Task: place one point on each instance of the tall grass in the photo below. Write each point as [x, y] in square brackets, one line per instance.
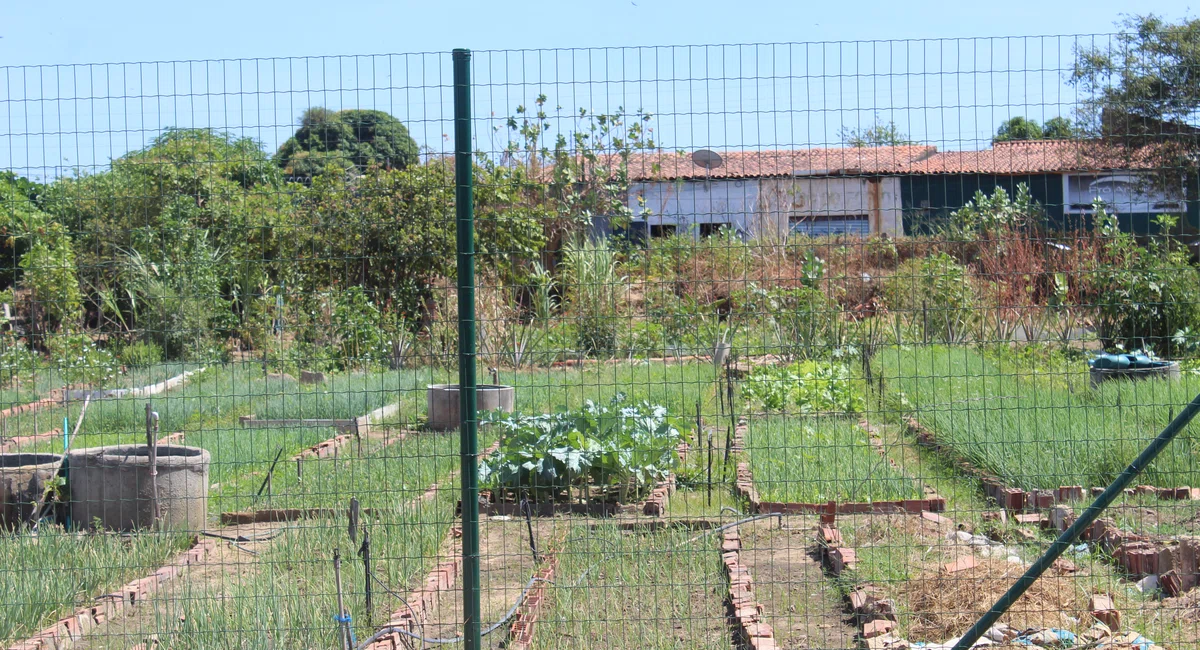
[676, 386]
[383, 477]
[43, 578]
[619, 590]
[286, 598]
[812, 460]
[1032, 435]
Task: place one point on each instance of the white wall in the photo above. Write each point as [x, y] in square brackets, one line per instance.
[761, 207]
[688, 203]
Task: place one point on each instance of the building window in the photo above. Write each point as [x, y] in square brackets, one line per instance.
[1121, 193]
[856, 224]
[662, 230]
[710, 229]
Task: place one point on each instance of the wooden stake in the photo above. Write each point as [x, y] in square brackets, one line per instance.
[353, 519]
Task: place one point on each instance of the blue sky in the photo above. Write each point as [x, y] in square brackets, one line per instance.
[841, 64]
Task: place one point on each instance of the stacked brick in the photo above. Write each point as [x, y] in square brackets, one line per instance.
[520, 635]
[423, 603]
[325, 448]
[66, 631]
[747, 612]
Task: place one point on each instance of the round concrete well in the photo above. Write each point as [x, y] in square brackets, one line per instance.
[23, 480]
[111, 486]
[442, 403]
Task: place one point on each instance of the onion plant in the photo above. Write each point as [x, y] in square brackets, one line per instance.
[813, 460]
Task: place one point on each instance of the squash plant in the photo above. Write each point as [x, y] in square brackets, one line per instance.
[595, 452]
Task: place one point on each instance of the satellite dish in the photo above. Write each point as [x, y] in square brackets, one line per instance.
[707, 159]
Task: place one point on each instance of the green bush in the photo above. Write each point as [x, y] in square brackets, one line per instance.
[79, 360]
[935, 294]
[1145, 296]
[141, 355]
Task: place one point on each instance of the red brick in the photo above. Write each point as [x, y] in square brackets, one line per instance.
[936, 518]
[961, 564]
[877, 628]
[759, 629]
[1044, 499]
[1103, 610]
[1014, 499]
[1029, 518]
[1070, 493]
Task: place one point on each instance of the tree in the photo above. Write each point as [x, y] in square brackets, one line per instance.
[1058, 128]
[172, 237]
[876, 135]
[346, 139]
[44, 258]
[583, 176]
[1023, 128]
[1143, 86]
[1018, 128]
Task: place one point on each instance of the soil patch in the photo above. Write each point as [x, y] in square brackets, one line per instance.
[800, 604]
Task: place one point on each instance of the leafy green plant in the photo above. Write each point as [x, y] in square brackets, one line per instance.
[935, 293]
[624, 446]
[1144, 295]
[808, 386]
[140, 355]
[80, 360]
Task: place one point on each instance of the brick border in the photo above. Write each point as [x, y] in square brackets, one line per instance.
[423, 602]
[747, 612]
[15, 443]
[66, 631]
[520, 633]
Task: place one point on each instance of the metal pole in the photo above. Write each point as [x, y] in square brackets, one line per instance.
[1093, 511]
[152, 456]
[469, 427]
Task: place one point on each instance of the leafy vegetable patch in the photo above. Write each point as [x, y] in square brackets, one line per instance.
[618, 450]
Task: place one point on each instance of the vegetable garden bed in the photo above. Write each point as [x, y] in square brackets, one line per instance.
[1030, 436]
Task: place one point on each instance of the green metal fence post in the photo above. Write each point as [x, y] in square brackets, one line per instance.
[468, 427]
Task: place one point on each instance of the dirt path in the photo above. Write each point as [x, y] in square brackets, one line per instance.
[506, 565]
[799, 602]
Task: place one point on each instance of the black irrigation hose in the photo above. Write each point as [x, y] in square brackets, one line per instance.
[247, 538]
[491, 628]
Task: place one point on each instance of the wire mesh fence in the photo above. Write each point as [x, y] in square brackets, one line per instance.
[802, 345]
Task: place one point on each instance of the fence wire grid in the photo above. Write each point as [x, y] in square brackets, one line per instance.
[797, 345]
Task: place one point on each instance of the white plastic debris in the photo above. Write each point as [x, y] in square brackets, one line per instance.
[1149, 583]
[1013, 559]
